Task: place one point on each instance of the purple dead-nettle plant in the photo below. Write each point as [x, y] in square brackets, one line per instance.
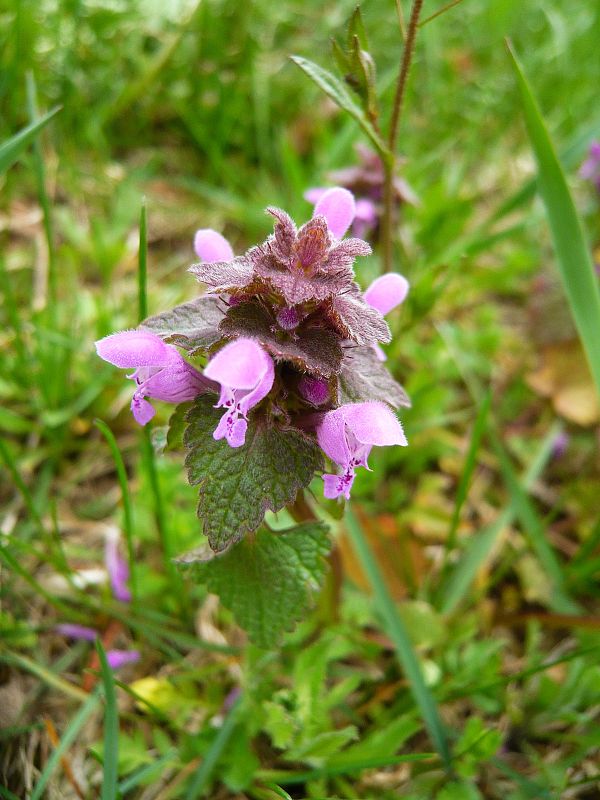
[277, 371]
[287, 367]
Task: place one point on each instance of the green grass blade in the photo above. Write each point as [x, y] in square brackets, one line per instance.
[470, 463]
[329, 771]
[40, 175]
[396, 630]
[7, 794]
[69, 736]
[11, 149]
[127, 509]
[533, 530]
[111, 729]
[573, 255]
[144, 773]
[204, 771]
[148, 455]
[479, 548]
[11, 465]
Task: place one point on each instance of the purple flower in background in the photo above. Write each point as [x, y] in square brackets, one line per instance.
[115, 658]
[160, 371]
[80, 632]
[366, 181]
[347, 435]
[366, 217]
[590, 169]
[384, 294]
[246, 373]
[119, 658]
[211, 246]
[117, 567]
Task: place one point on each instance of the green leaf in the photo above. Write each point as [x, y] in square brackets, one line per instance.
[267, 579]
[237, 485]
[336, 90]
[193, 325]
[573, 254]
[176, 428]
[11, 149]
[357, 30]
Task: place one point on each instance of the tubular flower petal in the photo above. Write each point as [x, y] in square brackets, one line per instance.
[384, 294]
[117, 567]
[211, 247]
[73, 631]
[118, 658]
[246, 373]
[338, 207]
[347, 435]
[590, 169]
[160, 371]
[387, 292]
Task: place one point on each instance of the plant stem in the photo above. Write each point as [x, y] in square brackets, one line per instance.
[387, 222]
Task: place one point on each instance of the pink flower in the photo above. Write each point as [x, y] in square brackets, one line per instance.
[160, 371]
[366, 214]
[73, 631]
[347, 434]
[338, 207]
[117, 567]
[384, 294]
[590, 169]
[119, 658]
[246, 374]
[211, 247]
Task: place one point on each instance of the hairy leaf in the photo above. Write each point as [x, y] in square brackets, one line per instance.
[365, 378]
[193, 326]
[237, 485]
[267, 579]
[225, 276]
[356, 320]
[314, 350]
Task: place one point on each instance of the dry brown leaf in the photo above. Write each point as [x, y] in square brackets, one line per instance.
[564, 377]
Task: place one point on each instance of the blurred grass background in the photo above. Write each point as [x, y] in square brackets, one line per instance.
[197, 108]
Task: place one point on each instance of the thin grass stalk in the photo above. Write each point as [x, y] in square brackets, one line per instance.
[389, 161]
[203, 774]
[126, 498]
[110, 761]
[148, 455]
[396, 630]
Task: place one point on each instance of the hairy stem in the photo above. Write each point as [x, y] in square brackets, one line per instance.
[387, 222]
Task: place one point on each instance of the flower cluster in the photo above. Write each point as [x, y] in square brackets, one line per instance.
[288, 335]
[366, 181]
